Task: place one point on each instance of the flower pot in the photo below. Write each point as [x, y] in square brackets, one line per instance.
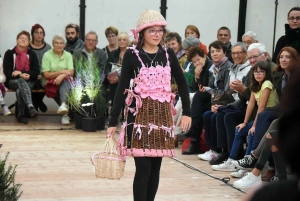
[78, 121]
[89, 124]
[100, 122]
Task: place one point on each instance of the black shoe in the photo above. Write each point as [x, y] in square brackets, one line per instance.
[247, 163]
[42, 106]
[192, 149]
[32, 111]
[22, 120]
[218, 160]
[183, 136]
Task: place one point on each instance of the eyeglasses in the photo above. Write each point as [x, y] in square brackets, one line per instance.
[39, 33]
[59, 43]
[225, 35]
[291, 19]
[256, 56]
[22, 38]
[237, 53]
[153, 32]
[111, 36]
[261, 72]
[91, 40]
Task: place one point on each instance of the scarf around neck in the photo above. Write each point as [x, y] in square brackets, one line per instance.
[220, 63]
[22, 60]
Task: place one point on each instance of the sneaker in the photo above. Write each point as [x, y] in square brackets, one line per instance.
[248, 181]
[238, 173]
[227, 166]
[32, 111]
[22, 120]
[63, 109]
[247, 163]
[65, 120]
[218, 160]
[274, 179]
[207, 156]
[6, 111]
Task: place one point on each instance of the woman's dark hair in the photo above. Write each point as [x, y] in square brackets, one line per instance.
[262, 65]
[294, 8]
[193, 51]
[141, 40]
[194, 29]
[218, 45]
[294, 59]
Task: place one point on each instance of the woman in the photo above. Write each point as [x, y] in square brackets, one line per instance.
[287, 63]
[292, 33]
[192, 30]
[57, 66]
[218, 79]
[114, 63]
[146, 74]
[238, 71]
[39, 46]
[111, 34]
[21, 68]
[174, 41]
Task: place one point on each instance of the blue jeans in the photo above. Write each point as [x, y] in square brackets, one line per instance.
[210, 126]
[239, 140]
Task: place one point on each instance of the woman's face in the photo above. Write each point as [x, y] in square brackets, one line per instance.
[112, 38]
[174, 45]
[38, 35]
[58, 45]
[259, 75]
[123, 42]
[217, 54]
[153, 35]
[284, 60]
[238, 55]
[189, 32]
[294, 19]
[198, 61]
[23, 41]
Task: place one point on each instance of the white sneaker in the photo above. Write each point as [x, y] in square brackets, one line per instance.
[238, 173]
[65, 120]
[6, 111]
[248, 181]
[63, 109]
[227, 166]
[207, 156]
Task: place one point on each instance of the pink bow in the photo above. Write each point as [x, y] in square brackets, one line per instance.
[135, 34]
[167, 130]
[130, 96]
[139, 130]
[151, 127]
[120, 142]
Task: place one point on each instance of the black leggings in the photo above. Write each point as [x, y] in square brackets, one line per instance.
[146, 178]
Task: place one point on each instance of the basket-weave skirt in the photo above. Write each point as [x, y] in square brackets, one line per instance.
[157, 142]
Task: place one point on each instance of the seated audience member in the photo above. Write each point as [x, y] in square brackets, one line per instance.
[72, 35]
[292, 33]
[111, 34]
[224, 35]
[264, 95]
[57, 66]
[21, 68]
[287, 64]
[288, 143]
[218, 78]
[238, 71]
[192, 30]
[114, 63]
[249, 37]
[39, 46]
[2, 90]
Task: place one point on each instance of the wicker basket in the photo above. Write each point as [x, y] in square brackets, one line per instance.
[109, 163]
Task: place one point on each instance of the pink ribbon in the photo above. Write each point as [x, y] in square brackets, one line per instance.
[138, 100]
[135, 34]
[120, 142]
[167, 130]
[151, 127]
[139, 130]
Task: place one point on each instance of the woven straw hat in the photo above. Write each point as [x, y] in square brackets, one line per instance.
[150, 18]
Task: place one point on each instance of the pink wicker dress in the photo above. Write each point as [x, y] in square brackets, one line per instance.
[153, 130]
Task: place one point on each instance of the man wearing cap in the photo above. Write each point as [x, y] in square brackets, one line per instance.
[72, 36]
[39, 46]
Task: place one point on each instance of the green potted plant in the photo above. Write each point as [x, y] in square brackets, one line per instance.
[9, 190]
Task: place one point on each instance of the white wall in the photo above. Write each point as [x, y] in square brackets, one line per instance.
[208, 16]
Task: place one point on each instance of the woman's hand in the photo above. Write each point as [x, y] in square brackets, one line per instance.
[202, 89]
[16, 73]
[185, 123]
[241, 126]
[252, 130]
[197, 71]
[58, 80]
[111, 130]
[214, 108]
[25, 76]
[113, 80]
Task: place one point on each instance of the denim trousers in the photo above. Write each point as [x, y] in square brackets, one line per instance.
[238, 141]
[62, 93]
[210, 126]
[23, 93]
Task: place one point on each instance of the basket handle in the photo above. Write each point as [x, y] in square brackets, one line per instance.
[109, 135]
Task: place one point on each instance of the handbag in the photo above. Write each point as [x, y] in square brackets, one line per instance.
[110, 162]
[219, 97]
